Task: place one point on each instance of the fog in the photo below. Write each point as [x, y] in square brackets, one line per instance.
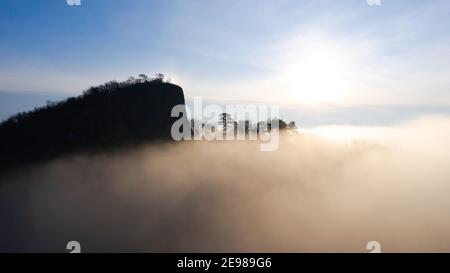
[318, 193]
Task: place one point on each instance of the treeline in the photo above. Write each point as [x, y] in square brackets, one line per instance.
[226, 123]
[100, 90]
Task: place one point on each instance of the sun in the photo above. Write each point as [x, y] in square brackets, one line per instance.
[316, 75]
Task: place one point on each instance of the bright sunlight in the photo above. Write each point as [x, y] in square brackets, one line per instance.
[316, 74]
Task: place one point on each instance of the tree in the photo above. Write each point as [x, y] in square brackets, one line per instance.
[292, 126]
[143, 77]
[261, 127]
[159, 77]
[276, 122]
[225, 120]
[131, 80]
[196, 128]
[282, 125]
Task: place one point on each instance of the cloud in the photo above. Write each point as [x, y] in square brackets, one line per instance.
[311, 195]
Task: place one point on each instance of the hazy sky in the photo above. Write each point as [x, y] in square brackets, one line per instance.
[289, 52]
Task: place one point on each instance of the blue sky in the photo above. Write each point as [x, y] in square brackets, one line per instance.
[295, 53]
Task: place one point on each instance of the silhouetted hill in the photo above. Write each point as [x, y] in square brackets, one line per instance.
[110, 115]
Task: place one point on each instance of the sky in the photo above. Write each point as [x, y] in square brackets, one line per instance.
[322, 61]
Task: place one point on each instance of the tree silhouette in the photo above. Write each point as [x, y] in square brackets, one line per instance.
[292, 126]
[159, 77]
[225, 120]
[131, 80]
[143, 77]
[196, 127]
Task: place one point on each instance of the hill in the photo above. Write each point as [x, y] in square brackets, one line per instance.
[110, 115]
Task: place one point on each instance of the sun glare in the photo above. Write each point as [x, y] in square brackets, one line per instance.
[315, 75]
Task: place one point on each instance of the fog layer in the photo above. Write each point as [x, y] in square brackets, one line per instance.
[313, 194]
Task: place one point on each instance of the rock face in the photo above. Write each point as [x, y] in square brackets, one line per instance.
[113, 114]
